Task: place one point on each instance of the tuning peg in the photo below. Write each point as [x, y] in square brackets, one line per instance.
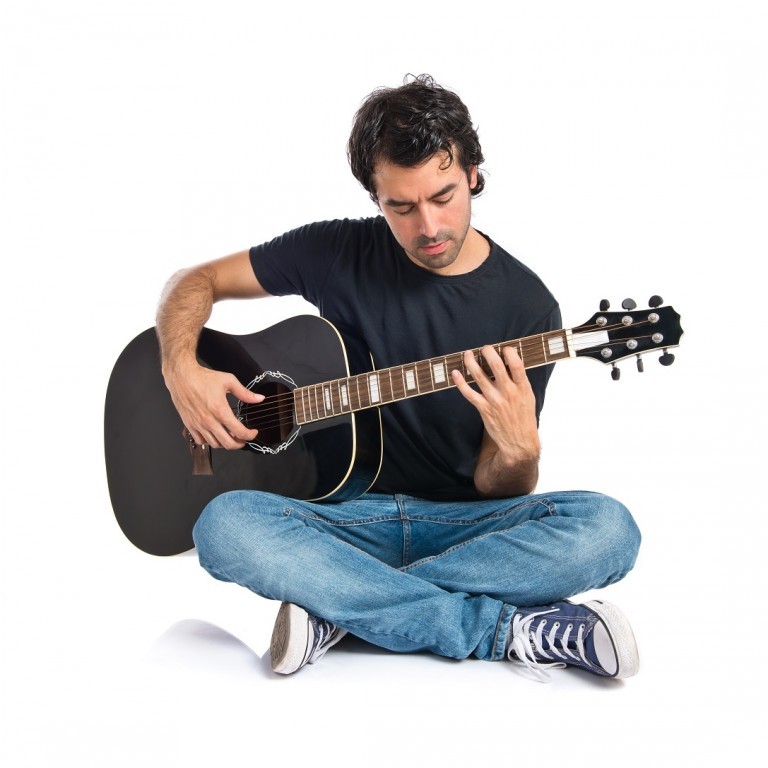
[655, 301]
[605, 305]
[667, 358]
[640, 367]
[629, 304]
[615, 373]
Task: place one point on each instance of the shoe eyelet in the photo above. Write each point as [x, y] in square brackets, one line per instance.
[570, 626]
[557, 625]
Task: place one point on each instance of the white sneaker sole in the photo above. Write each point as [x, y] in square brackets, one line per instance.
[290, 639]
[619, 646]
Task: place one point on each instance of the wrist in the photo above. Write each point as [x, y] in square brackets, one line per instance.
[179, 365]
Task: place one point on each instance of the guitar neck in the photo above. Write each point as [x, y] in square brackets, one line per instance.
[389, 385]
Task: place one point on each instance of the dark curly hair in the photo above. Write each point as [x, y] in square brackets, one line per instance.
[407, 125]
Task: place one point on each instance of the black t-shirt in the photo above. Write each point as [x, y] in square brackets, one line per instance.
[361, 280]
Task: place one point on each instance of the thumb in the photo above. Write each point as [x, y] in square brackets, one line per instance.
[243, 393]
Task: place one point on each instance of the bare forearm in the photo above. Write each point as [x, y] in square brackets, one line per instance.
[496, 477]
[184, 307]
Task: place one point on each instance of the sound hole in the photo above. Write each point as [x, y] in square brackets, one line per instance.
[273, 417]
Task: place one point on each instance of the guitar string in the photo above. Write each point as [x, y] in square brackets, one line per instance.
[274, 416]
[277, 404]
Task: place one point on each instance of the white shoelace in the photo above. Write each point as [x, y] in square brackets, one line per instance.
[329, 635]
[527, 647]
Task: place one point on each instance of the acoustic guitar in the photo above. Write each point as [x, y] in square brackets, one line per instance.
[319, 431]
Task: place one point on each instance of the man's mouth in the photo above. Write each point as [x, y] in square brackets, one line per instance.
[433, 249]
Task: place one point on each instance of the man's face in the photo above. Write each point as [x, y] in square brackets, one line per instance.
[428, 210]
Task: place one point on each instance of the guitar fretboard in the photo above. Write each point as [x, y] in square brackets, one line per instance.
[388, 385]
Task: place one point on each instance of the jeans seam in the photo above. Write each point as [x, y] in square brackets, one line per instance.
[406, 530]
[499, 624]
[357, 521]
[461, 546]
[551, 510]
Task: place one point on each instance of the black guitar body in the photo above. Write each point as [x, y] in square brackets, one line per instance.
[320, 443]
[155, 495]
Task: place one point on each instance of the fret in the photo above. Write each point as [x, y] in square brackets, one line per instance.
[439, 374]
[396, 382]
[557, 345]
[297, 397]
[335, 399]
[453, 362]
[362, 392]
[366, 390]
[385, 386]
[373, 388]
[482, 362]
[463, 365]
[421, 377]
[343, 397]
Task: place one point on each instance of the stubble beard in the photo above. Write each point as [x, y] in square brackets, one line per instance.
[440, 260]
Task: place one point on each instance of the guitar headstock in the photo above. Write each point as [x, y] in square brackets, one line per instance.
[613, 336]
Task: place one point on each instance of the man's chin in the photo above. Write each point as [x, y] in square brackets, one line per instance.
[436, 262]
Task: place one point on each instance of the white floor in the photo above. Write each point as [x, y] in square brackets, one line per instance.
[626, 152]
[117, 658]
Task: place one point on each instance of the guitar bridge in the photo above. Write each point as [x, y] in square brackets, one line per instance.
[202, 460]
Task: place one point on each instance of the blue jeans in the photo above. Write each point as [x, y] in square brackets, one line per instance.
[409, 574]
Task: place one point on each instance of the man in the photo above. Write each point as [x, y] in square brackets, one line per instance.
[449, 551]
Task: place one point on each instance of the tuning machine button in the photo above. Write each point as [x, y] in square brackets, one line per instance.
[667, 358]
[655, 301]
[640, 367]
[615, 372]
[605, 305]
[629, 304]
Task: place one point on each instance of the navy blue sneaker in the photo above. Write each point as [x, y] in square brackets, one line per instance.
[595, 636]
[300, 638]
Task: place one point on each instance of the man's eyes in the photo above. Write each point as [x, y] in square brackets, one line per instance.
[411, 208]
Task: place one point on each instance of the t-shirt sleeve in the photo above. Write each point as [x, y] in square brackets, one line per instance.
[300, 261]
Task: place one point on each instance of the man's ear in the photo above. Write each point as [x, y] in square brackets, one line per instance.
[472, 176]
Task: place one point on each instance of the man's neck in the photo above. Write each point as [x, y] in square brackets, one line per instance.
[473, 253]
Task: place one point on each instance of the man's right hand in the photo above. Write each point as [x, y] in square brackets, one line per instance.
[200, 394]
[200, 397]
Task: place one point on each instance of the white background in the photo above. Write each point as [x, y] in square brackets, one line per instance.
[626, 156]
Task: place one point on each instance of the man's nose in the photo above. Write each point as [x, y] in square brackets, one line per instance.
[427, 223]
